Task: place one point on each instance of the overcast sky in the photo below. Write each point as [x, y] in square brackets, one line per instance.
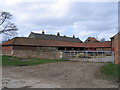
[83, 19]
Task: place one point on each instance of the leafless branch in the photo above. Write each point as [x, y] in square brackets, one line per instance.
[4, 16]
[9, 27]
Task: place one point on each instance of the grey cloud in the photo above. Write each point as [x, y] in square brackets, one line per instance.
[95, 17]
[78, 12]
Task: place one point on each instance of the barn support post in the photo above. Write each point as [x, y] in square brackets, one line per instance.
[113, 57]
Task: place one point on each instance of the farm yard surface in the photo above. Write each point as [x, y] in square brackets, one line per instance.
[70, 74]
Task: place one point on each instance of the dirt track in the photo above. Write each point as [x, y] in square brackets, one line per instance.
[57, 75]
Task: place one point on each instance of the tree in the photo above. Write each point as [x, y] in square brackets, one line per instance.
[6, 27]
[102, 40]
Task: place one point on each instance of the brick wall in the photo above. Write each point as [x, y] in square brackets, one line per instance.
[104, 49]
[7, 50]
[33, 48]
[46, 54]
[34, 52]
[117, 48]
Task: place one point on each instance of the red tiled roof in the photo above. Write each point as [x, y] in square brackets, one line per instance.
[98, 44]
[39, 42]
[91, 38]
[9, 42]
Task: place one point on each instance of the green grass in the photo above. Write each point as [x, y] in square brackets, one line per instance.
[111, 70]
[15, 61]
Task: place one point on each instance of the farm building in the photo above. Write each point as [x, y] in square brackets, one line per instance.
[99, 46]
[116, 47]
[49, 46]
[57, 37]
[30, 47]
[87, 46]
[90, 39]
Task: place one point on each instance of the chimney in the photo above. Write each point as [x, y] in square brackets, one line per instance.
[73, 36]
[58, 34]
[43, 32]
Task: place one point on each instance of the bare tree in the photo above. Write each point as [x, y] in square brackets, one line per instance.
[6, 27]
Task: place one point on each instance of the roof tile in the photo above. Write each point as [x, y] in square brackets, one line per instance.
[39, 42]
[53, 37]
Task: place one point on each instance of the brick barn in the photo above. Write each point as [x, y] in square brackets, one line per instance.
[48, 46]
[30, 47]
[98, 46]
[116, 47]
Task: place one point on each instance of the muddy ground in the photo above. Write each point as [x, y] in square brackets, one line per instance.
[68, 74]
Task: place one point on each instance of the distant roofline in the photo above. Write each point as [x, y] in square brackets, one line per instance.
[90, 38]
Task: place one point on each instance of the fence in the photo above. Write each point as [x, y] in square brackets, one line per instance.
[96, 56]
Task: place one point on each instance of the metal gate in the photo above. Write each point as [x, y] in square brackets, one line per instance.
[96, 56]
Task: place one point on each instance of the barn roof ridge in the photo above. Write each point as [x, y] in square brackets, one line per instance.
[52, 35]
[55, 37]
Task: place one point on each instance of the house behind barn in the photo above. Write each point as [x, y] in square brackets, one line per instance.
[57, 37]
[91, 39]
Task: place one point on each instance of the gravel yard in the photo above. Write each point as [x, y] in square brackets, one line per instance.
[70, 74]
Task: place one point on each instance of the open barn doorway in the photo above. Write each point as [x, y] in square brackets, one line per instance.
[70, 48]
[96, 56]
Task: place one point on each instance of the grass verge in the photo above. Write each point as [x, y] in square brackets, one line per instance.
[17, 61]
[111, 70]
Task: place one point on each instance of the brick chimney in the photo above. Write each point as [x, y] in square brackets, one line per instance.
[43, 32]
[73, 36]
[58, 34]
